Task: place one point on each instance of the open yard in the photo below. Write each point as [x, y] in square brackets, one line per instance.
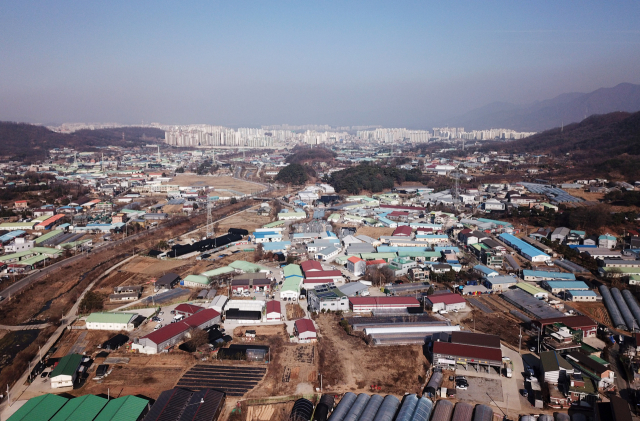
[142, 375]
[347, 363]
[374, 232]
[202, 181]
[81, 341]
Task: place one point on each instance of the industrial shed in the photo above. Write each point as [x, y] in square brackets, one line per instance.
[111, 321]
[558, 286]
[167, 281]
[447, 302]
[500, 283]
[65, 373]
[126, 408]
[274, 312]
[367, 304]
[187, 310]
[243, 316]
[305, 330]
[530, 305]
[451, 355]
[171, 334]
[39, 408]
[475, 339]
[85, 407]
[195, 281]
[182, 404]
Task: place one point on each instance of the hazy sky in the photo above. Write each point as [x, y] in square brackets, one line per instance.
[394, 63]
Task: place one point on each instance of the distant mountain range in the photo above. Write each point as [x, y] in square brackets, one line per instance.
[26, 141]
[543, 115]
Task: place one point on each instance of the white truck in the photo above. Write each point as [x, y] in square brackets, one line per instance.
[507, 367]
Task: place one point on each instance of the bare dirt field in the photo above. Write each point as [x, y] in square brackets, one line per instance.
[496, 323]
[294, 312]
[347, 363]
[249, 220]
[151, 266]
[374, 232]
[143, 375]
[588, 196]
[79, 341]
[183, 180]
[596, 311]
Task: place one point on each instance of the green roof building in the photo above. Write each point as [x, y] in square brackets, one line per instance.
[195, 281]
[39, 408]
[218, 272]
[126, 408]
[246, 267]
[64, 375]
[292, 270]
[111, 321]
[82, 408]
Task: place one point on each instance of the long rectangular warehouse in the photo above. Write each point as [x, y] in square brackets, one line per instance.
[526, 250]
[447, 354]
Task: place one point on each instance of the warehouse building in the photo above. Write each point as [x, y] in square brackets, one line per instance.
[447, 302]
[526, 250]
[65, 373]
[540, 275]
[500, 283]
[182, 404]
[167, 281]
[538, 309]
[50, 407]
[368, 304]
[195, 281]
[274, 311]
[173, 333]
[589, 296]
[111, 321]
[475, 339]
[305, 330]
[558, 286]
[536, 292]
[450, 355]
[187, 310]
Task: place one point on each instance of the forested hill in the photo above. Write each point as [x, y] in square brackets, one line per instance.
[30, 142]
[599, 136]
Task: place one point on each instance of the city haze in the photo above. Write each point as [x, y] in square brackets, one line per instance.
[363, 63]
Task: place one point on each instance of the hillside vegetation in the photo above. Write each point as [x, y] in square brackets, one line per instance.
[373, 178]
[28, 142]
[295, 174]
[302, 155]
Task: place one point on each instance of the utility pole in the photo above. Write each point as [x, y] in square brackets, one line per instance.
[520, 340]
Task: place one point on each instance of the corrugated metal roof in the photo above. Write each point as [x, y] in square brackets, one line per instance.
[126, 408]
[105, 317]
[39, 408]
[82, 408]
[475, 339]
[67, 365]
[467, 351]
